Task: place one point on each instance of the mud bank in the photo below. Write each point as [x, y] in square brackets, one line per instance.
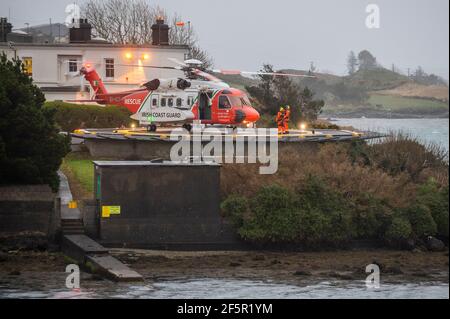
[294, 268]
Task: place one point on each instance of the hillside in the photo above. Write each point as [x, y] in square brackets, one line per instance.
[376, 79]
[413, 90]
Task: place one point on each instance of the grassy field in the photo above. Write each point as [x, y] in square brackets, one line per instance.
[79, 168]
[397, 103]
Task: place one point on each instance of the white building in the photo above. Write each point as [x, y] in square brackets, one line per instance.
[55, 67]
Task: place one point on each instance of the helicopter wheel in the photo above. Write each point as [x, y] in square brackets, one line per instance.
[151, 128]
[187, 127]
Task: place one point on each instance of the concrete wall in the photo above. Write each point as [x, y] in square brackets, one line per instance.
[162, 206]
[27, 208]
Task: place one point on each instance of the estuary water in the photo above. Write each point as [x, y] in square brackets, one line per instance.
[200, 288]
[426, 130]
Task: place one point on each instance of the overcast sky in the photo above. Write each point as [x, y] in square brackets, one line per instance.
[291, 33]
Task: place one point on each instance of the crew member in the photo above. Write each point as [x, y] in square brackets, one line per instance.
[280, 120]
[287, 115]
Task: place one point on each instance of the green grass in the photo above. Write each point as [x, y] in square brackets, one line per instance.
[81, 168]
[395, 103]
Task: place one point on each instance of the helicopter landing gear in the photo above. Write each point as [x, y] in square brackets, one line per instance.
[151, 128]
[187, 127]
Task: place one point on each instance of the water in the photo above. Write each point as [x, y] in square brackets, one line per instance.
[426, 130]
[200, 288]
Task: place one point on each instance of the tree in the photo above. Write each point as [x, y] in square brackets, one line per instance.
[272, 92]
[264, 92]
[352, 63]
[309, 108]
[367, 61]
[31, 149]
[130, 22]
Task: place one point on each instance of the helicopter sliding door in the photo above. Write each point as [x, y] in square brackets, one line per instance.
[204, 108]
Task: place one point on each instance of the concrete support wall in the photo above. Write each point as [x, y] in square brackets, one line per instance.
[28, 208]
[162, 206]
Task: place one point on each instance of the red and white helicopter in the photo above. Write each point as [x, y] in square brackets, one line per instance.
[198, 96]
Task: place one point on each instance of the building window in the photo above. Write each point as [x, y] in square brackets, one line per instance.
[28, 66]
[190, 100]
[73, 66]
[109, 63]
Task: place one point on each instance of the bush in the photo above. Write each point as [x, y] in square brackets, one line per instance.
[398, 231]
[422, 222]
[370, 217]
[437, 202]
[401, 153]
[31, 150]
[234, 207]
[70, 117]
[317, 197]
[273, 217]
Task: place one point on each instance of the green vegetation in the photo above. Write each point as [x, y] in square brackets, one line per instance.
[31, 150]
[70, 117]
[331, 194]
[405, 105]
[80, 167]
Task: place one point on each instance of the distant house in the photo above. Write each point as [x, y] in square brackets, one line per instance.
[53, 56]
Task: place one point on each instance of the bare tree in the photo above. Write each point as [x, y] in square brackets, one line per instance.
[130, 22]
[352, 63]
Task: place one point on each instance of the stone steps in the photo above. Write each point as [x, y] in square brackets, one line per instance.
[72, 226]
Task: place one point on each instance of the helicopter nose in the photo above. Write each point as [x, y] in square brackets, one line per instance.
[252, 115]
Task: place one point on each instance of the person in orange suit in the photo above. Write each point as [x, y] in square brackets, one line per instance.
[287, 115]
[280, 120]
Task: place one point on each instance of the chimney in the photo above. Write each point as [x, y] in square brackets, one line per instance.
[82, 34]
[5, 29]
[160, 32]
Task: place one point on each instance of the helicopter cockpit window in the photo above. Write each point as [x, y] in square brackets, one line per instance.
[179, 102]
[163, 101]
[236, 101]
[155, 102]
[224, 102]
[170, 102]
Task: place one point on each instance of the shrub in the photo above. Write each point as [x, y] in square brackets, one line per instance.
[399, 230]
[273, 217]
[401, 153]
[234, 207]
[31, 150]
[73, 116]
[437, 202]
[370, 217]
[421, 220]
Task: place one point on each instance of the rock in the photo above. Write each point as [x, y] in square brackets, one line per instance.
[302, 273]
[434, 244]
[394, 270]
[379, 264]
[233, 264]
[15, 273]
[259, 258]
[275, 262]
[409, 244]
[3, 257]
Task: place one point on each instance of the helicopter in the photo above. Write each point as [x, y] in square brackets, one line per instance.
[198, 97]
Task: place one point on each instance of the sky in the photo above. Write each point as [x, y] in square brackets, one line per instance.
[244, 34]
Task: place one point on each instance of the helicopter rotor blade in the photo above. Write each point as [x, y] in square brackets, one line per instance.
[206, 75]
[152, 66]
[238, 72]
[176, 61]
